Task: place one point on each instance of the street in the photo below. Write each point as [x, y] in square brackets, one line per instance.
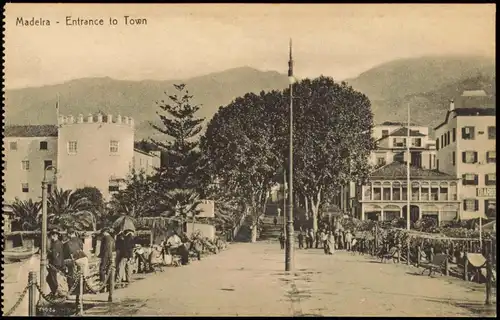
[248, 280]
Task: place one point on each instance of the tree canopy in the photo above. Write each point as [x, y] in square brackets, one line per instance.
[246, 142]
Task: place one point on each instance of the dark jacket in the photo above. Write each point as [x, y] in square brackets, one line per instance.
[73, 249]
[128, 244]
[55, 254]
[107, 248]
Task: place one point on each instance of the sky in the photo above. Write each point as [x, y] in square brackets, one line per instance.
[181, 41]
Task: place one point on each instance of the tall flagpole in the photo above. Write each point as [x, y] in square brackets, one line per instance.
[290, 237]
[408, 186]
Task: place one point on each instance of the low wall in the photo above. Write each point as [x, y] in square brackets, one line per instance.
[207, 230]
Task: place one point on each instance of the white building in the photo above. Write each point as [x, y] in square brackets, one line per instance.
[466, 143]
[95, 151]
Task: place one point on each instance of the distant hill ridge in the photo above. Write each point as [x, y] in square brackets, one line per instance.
[427, 83]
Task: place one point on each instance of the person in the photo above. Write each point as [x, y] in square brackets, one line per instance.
[56, 262]
[279, 212]
[341, 239]
[105, 254]
[311, 238]
[77, 259]
[125, 256]
[301, 239]
[175, 246]
[348, 240]
[275, 221]
[324, 240]
[318, 239]
[282, 240]
[331, 242]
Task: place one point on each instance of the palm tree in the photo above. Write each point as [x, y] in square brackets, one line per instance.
[27, 214]
[67, 210]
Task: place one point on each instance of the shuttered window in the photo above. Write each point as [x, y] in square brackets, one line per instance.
[490, 179]
[469, 156]
[471, 205]
[468, 133]
[491, 156]
[470, 179]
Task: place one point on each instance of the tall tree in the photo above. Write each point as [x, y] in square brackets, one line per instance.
[332, 139]
[182, 126]
[241, 144]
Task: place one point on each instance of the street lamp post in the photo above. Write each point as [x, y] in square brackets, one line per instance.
[43, 258]
[290, 238]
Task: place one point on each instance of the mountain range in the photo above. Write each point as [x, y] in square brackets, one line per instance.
[427, 83]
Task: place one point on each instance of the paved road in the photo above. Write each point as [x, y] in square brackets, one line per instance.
[248, 280]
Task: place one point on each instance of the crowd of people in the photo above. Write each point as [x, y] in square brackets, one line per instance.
[120, 250]
[326, 239]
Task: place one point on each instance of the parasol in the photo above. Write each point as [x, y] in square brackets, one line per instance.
[124, 223]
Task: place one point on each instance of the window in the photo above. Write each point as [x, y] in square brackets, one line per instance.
[437, 164]
[468, 133]
[25, 188]
[434, 193]
[385, 133]
[113, 146]
[437, 143]
[490, 179]
[25, 165]
[471, 205]
[453, 156]
[386, 193]
[442, 141]
[470, 179]
[443, 194]
[492, 133]
[72, 147]
[399, 142]
[380, 161]
[417, 142]
[490, 206]
[43, 145]
[13, 145]
[447, 138]
[454, 135]
[491, 157]
[399, 157]
[47, 163]
[469, 157]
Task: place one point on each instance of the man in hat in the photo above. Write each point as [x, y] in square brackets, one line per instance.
[56, 261]
[77, 259]
[105, 253]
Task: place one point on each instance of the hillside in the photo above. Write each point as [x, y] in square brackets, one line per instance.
[426, 83]
[429, 108]
[133, 98]
[396, 79]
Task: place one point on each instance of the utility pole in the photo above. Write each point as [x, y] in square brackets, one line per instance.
[43, 251]
[408, 185]
[290, 237]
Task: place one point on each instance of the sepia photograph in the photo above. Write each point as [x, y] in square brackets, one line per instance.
[267, 160]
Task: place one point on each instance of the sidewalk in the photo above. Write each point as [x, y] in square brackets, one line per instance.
[248, 279]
